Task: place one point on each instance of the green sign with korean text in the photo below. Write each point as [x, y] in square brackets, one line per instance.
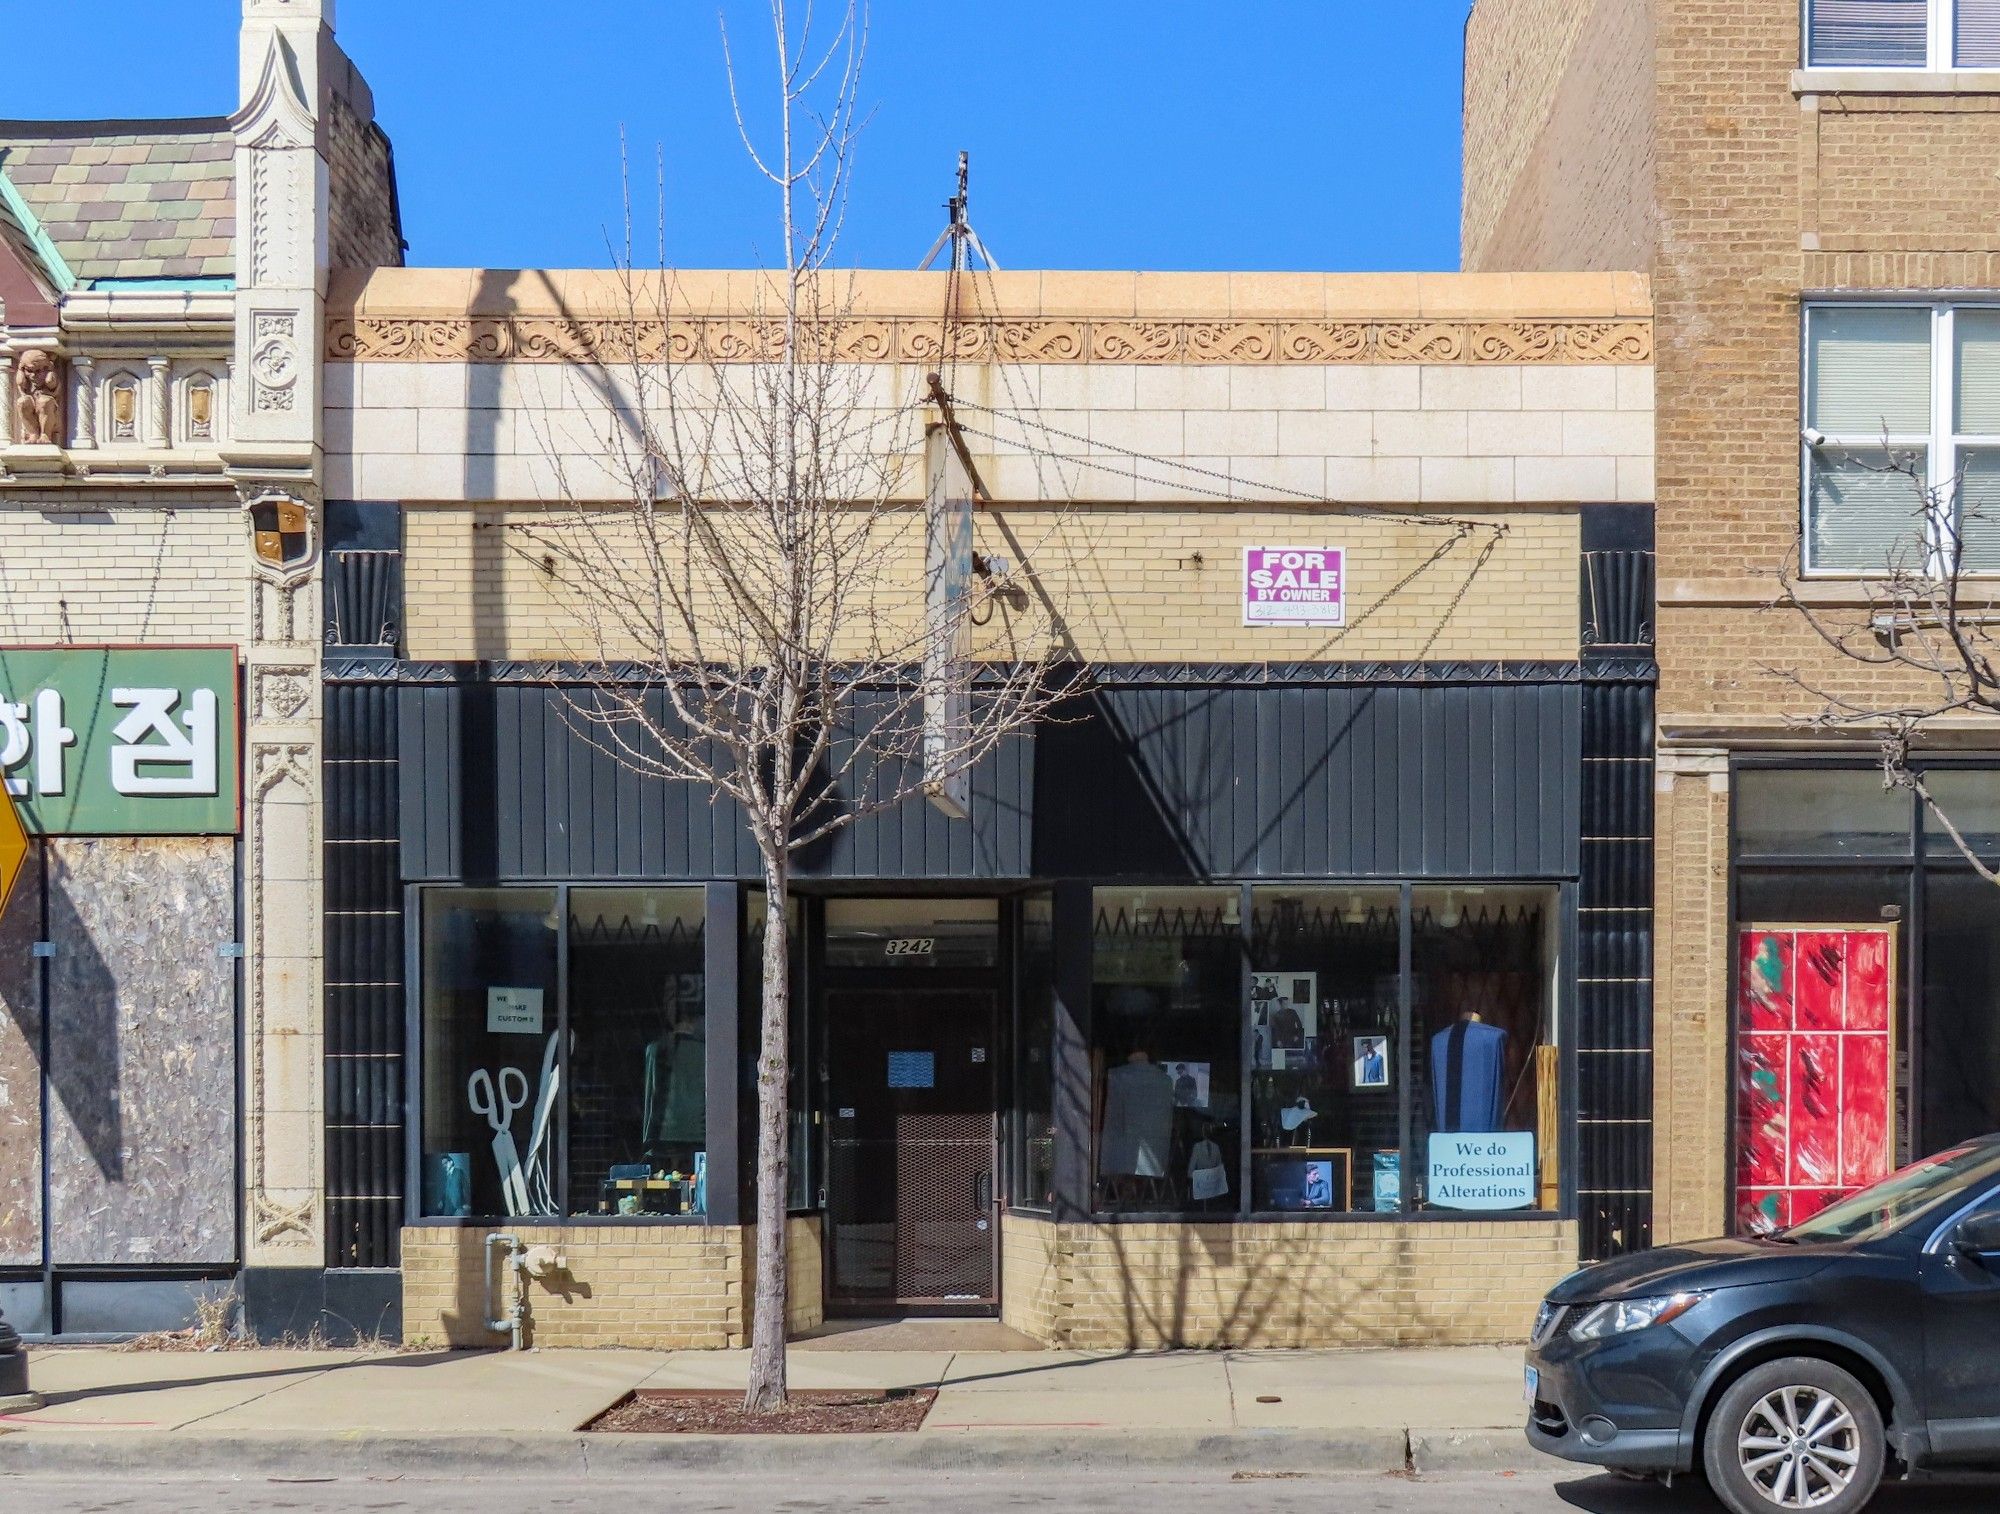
[120, 741]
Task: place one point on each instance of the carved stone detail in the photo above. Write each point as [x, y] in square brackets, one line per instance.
[274, 360]
[38, 399]
[554, 339]
[282, 692]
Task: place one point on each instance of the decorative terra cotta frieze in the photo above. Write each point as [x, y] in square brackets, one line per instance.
[913, 339]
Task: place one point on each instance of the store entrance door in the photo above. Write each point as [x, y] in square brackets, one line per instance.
[911, 1213]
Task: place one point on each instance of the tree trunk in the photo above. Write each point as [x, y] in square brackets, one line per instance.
[768, 1299]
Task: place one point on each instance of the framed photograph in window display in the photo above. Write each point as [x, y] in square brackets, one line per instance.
[1284, 1019]
[1371, 1062]
[1816, 1060]
[1323, 981]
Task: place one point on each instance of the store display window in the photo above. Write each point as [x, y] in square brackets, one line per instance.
[638, 1051]
[490, 1048]
[1034, 1128]
[1166, 1055]
[1485, 1059]
[550, 1092]
[1325, 1075]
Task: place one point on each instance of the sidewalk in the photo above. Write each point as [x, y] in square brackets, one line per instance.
[1270, 1410]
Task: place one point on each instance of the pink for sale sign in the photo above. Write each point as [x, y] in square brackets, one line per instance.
[1294, 586]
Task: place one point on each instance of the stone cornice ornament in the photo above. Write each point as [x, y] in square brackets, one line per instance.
[557, 339]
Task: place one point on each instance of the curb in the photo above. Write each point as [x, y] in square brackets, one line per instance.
[580, 1455]
[1477, 1451]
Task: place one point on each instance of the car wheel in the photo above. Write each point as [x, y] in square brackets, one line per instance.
[1795, 1434]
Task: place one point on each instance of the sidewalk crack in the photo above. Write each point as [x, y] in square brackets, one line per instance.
[273, 1390]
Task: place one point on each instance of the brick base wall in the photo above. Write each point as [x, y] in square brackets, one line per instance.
[662, 1287]
[1124, 1287]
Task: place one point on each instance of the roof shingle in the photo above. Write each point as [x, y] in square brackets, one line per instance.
[128, 200]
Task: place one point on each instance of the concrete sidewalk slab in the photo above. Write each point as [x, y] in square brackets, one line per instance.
[501, 1393]
[1005, 1409]
[99, 1389]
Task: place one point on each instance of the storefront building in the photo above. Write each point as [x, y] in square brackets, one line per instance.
[1825, 278]
[159, 626]
[1291, 987]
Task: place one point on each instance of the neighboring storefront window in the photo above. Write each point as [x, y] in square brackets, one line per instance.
[1867, 991]
[1167, 1049]
[1325, 1070]
[521, 1066]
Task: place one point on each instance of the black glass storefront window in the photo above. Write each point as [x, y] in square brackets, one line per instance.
[1325, 1073]
[1817, 811]
[1034, 1136]
[1486, 1068]
[1961, 1008]
[1166, 1049]
[1369, 1089]
[563, 1060]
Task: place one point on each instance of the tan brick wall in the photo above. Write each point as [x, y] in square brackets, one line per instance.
[1146, 1286]
[654, 1286]
[1030, 1274]
[1558, 109]
[660, 1287]
[80, 570]
[1691, 996]
[361, 213]
[1892, 173]
[1126, 580]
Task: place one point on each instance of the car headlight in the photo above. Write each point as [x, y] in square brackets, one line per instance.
[1622, 1316]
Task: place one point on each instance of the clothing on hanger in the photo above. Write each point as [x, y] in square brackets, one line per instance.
[1468, 1061]
[1138, 1121]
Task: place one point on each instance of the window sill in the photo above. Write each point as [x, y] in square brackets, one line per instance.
[1895, 81]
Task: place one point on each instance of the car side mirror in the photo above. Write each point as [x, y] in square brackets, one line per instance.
[1979, 1238]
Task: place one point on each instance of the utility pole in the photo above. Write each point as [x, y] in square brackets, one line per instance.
[963, 240]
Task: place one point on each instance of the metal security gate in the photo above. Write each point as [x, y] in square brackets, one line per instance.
[910, 1193]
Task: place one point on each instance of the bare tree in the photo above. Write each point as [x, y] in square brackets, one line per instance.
[1919, 654]
[774, 586]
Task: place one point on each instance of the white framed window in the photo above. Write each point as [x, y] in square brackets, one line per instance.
[1901, 441]
[1918, 34]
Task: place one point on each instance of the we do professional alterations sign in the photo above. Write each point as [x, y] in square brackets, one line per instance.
[120, 741]
[1294, 586]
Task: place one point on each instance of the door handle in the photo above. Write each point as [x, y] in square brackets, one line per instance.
[982, 1191]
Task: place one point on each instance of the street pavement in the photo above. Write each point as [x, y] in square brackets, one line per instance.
[1488, 1493]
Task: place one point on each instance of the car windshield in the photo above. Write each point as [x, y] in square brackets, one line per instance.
[1900, 1197]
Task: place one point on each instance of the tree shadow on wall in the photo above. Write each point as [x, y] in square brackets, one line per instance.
[81, 1047]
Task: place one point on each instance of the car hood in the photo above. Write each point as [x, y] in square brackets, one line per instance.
[1696, 1266]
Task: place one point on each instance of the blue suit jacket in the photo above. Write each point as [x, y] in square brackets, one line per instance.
[1468, 1060]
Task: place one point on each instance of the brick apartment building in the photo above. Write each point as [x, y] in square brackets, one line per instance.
[160, 1055]
[1810, 189]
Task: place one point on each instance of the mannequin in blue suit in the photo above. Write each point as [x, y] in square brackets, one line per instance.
[1468, 1062]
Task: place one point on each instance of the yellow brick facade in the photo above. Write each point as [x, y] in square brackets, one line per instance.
[1134, 583]
[660, 1287]
[1151, 1286]
[1769, 185]
[83, 570]
[1558, 135]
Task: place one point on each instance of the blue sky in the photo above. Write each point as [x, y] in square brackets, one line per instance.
[1246, 134]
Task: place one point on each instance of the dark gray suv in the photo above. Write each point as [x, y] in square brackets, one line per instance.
[1793, 1369]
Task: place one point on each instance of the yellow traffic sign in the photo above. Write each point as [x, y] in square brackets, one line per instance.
[14, 847]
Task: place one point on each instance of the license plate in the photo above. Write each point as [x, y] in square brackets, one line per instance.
[1533, 1381]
